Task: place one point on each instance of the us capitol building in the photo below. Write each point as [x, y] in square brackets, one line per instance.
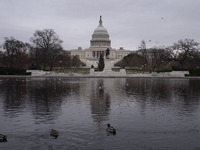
[99, 43]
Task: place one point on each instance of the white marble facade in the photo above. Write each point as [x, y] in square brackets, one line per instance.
[99, 43]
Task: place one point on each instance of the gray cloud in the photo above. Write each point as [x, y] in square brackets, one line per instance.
[127, 21]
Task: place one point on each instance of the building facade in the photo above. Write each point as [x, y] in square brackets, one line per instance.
[99, 43]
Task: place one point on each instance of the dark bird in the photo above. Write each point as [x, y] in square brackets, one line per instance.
[110, 129]
[3, 138]
[54, 133]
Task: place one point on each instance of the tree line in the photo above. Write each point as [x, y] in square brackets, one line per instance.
[182, 55]
[44, 52]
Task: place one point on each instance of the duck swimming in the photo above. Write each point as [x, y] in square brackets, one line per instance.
[3, 138]
[110, 129]
[54, 133]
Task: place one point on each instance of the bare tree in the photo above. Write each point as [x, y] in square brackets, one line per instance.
[1, 59]
[15, 54]
[134, 60]
[142, 48]
[63, 60]
[75, 61]
[46, 45]
[158, 58]
[182, 52]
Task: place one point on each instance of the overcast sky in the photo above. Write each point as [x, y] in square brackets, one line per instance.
[158, 22]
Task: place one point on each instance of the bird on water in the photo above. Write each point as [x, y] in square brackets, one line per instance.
[54, 133]
[3, 138]
[110, 129]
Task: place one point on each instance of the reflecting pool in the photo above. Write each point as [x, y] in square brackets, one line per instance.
[148, 113]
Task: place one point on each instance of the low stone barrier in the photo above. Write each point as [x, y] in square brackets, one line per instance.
[37, 72]
[170, 74]
[109, 73]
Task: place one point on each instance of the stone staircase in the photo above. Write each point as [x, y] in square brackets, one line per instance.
[107, 72]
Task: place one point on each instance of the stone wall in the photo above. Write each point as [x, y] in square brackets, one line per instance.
[170, 74]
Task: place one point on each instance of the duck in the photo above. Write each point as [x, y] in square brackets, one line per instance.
[3, 138]
[54, 133]
[110, 129]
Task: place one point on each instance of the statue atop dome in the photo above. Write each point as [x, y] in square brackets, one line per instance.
[100, 21]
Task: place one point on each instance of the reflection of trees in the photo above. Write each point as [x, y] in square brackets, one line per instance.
[145, 88]
[47, 95]
[177, 93]
[44, 97]
[100, 100]
[187, 92]
[13, 92]
[149, 90]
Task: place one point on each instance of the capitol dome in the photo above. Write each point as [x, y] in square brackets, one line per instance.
[100, 37]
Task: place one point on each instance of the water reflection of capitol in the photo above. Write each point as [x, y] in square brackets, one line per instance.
[102, 92]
